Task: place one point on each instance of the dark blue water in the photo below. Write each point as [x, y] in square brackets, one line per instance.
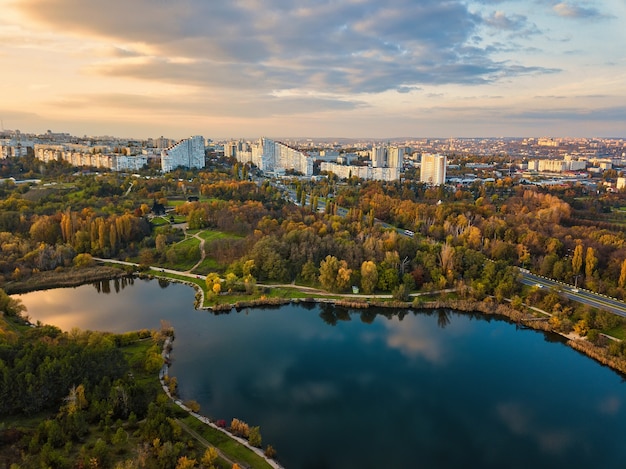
[332, 388]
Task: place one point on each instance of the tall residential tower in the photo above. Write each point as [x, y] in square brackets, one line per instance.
[433, 169]
[188, 153]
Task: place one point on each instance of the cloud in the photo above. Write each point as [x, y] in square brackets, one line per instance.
[349, 46]
[226, 105]
[575, 114]
[573, 10]
[514, 24]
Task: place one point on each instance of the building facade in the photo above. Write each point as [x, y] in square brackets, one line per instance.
[188, 153]
[433, 169]
[85, 156]
[270, 156]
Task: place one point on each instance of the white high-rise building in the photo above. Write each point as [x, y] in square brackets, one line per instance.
[379, 157]
[279, 157]
[433, 169]
[395, 157]
[188, 153]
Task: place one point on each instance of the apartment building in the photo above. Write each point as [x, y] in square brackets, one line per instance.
[188, 153]
[433, 169]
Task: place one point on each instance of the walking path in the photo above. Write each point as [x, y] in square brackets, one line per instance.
[163, 374]
[202, 253]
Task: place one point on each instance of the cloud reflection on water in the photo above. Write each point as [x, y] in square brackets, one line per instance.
[423, 337]
[520, 421]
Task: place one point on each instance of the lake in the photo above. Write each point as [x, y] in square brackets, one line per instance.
[334, 388]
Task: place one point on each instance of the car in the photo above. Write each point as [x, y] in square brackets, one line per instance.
[409, 233]
[575, 290]
[538, 285]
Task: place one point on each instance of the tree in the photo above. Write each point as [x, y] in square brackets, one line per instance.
[334, 274]
[45, 230]
[591, 262]
[577, 260]
[84, 260]
[10, 306]
[622, 276]
[328, 272]
[185, 463]
[76, 399]
[209, 457]
[369, 277]
[120, 437]
[160, 242]
[309, 272]
[270, 452]
[400, 293]
[254, 437]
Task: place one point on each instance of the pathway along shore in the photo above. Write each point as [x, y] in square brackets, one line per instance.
[164, 374]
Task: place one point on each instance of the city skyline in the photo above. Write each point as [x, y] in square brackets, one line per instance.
[351, 68]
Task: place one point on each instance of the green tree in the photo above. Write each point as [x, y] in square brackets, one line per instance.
[309, 272]
[10, 306]
[84, 260]
[254, 437]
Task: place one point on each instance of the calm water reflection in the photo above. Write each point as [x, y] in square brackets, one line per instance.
[332, 388]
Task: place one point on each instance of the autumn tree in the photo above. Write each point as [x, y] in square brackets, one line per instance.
[369, 276]
[577, 259]
[622, 275]
[591, 262]
[334, 274]
[210, 457]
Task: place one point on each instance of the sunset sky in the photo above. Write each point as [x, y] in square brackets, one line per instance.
[314, 68]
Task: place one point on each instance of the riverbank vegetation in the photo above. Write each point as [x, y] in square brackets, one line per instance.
[92, 399]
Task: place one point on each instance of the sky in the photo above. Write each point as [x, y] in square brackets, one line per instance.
[314, 68]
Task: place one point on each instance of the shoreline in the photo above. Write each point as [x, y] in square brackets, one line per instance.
[83, 276]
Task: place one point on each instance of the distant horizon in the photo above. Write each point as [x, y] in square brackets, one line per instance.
[299, 138]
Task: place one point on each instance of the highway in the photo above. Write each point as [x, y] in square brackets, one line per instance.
[581, 295]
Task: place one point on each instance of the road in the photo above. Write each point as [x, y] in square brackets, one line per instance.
[580, 295]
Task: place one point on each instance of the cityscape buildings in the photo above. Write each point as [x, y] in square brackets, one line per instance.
[534, 160]
[386, 165]
[270, 156]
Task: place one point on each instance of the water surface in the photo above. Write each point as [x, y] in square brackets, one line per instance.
[332, 388]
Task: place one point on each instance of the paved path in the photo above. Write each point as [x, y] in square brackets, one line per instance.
[303, 288]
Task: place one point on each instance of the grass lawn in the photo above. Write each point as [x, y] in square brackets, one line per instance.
[185, 258]
[207, 266]
[159, 221]
[176, 203]
[209, 235]
[618, 332]
[230, 447]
